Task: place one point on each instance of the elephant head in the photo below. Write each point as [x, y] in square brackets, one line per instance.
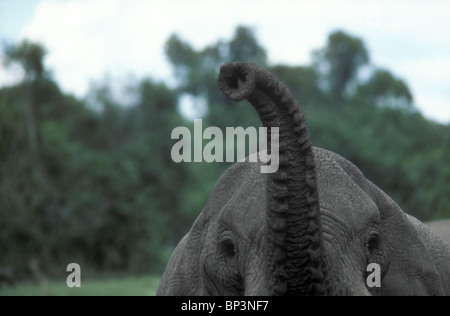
[311, 228]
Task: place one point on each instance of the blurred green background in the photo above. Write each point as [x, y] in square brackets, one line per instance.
[91, 180]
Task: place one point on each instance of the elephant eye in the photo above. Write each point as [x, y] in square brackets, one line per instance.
[228, 248]
[373, 243]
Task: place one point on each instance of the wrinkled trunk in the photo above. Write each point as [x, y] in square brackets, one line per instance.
[296, 264]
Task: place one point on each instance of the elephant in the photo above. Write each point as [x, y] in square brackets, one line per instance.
[441, 228]
[314, 227]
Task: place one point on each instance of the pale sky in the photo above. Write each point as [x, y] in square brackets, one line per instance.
[89, 39]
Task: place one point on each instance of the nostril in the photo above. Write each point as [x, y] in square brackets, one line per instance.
[232, 82]
[237, 81]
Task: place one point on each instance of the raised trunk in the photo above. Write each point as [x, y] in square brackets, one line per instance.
[296, 264]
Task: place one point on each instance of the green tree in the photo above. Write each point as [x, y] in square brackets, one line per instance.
[340, 61]
[30, 56]
[302, 81]
[384, 89]
[244, 47]
[30, 201]
[99, 187]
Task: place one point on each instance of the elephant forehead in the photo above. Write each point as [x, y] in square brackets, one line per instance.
[341, 197]
[245, 209]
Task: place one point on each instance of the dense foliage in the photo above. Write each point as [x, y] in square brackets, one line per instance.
[92, 181]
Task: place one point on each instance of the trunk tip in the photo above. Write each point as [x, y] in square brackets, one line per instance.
[236, 80]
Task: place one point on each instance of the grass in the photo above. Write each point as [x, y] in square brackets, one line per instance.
[121, 286]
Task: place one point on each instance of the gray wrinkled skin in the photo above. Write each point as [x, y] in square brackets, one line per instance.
[441, 228]
[229, 250]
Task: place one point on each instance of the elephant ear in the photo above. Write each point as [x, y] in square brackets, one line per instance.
[183, 275]
[419, 261]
